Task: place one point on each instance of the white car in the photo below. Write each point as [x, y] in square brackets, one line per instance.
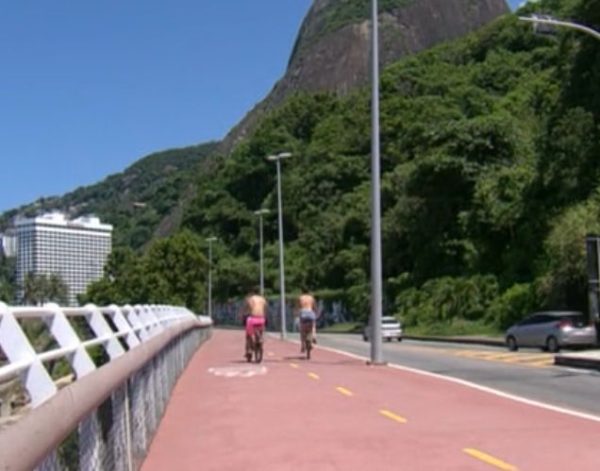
[390, 329]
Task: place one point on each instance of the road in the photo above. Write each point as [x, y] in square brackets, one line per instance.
[528, 373]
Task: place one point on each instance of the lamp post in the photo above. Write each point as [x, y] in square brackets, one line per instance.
[277, 159]
[210, 240]
[548, 20]
[376, 283]
[260, 214]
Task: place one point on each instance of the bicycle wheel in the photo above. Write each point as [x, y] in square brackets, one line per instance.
[258, 347]
[308, 344]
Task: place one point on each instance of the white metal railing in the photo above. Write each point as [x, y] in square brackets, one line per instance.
[106, 418]
[131, 326]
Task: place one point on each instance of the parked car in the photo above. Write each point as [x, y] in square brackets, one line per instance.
[390, 329]
[551, 330]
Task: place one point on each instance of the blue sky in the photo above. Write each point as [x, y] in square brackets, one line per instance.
[88, 88]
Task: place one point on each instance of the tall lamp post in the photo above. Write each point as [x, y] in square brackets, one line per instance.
[277, 159]
[260, 213]
[376, 282]
[548, 20]
[210, 240]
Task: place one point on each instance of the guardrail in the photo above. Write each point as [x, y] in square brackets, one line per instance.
[107, 416]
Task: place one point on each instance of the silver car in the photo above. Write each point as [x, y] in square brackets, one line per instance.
[390, 329]
[551, 330]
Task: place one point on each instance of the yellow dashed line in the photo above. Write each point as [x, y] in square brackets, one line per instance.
[391, 415]
[344, 391]
[294, 365]
[313, 375]
[489, 459]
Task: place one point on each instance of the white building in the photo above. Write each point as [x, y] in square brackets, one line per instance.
[76, 250]
[8, 244]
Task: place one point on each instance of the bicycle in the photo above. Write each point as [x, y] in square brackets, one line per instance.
[255, 345]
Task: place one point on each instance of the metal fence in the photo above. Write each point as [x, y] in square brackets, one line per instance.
[106, 418]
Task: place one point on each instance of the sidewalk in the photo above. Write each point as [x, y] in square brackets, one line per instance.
[336, 413]
[589, 359]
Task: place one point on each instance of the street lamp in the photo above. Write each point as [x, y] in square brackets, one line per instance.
[260, 214]
[376, 283]
[277, 159]
[548, 20]
[210, 240]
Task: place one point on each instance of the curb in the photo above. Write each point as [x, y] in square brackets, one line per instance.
[577, 362]
[474, 341]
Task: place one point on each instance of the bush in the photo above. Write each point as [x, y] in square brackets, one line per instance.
[445, 300]
[512, 305]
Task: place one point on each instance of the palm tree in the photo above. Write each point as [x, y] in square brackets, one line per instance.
[56, 289]
[32, 289]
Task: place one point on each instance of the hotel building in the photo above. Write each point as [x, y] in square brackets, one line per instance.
[75, 250]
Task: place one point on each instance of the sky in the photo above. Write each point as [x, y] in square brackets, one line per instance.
[87, 88]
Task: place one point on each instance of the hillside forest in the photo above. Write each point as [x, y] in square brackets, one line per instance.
[490, 183]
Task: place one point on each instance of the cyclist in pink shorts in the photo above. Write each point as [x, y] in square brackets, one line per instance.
[254, 315]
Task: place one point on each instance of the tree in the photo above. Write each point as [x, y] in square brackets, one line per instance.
[42, 288]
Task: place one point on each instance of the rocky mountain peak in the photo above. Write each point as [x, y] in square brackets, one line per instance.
[332, 50]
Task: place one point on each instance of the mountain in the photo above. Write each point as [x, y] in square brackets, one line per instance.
[333, 47]
[142, 202]
[330, 54]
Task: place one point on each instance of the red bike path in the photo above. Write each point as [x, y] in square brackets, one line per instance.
[334, 412]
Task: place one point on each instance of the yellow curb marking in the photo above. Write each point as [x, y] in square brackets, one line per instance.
[542, 364]
[391, 415]
[479, 354]
[294, 365]
[489, 459]
[529, 358]
[535, 360]
[313, 375]
[344, 391]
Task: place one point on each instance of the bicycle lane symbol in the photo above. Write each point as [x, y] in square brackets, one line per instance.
[238, 371]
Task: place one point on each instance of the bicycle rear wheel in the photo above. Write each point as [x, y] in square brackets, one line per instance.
[258, 347]
[308, 344]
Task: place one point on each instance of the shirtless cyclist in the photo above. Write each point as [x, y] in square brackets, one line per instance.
[254, 315]
[307, 312]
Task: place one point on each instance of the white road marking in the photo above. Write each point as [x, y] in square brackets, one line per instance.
[561, 410]
[246, 371]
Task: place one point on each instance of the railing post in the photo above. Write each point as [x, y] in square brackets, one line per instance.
[122, 325]
[101, 328]
[65, 335]
[134, 320]
[18, 350]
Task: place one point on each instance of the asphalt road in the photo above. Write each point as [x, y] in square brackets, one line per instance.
[527, 373]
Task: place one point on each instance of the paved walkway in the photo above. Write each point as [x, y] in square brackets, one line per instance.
[335, 413]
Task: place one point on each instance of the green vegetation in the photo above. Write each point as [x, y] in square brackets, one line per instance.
[490, 183]
[340, 13]
[7, 279]
[172, 271]
[40, 289]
